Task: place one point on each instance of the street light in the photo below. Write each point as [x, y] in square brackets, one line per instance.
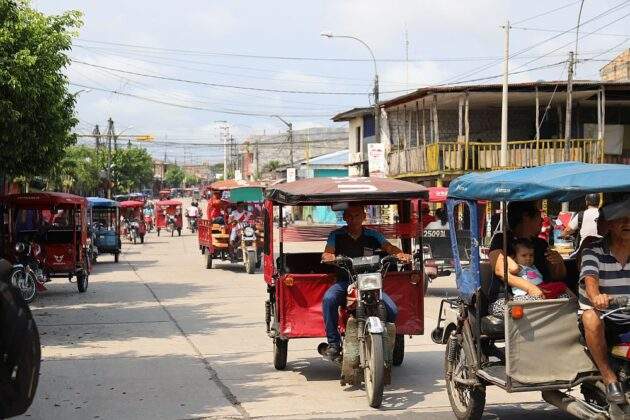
[377, 113]
[75, 94]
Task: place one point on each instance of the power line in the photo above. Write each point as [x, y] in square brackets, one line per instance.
[176, 105]
[547, 12]
[561, 31]
[275, 57]
[197, 82]
[537, 44]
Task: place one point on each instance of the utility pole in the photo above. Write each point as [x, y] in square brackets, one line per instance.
[257, 157]
[110, 135]
[567, 124]
[504, 99]
[289, 138]
[97, 135]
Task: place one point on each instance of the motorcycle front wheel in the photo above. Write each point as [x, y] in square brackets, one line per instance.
[374, 370]
[467, 402]
[250, 262]
[25, 282]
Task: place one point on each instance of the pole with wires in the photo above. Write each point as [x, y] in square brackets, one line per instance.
[567, 118]
[504, 98]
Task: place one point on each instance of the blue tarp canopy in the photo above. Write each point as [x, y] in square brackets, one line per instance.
[101, 202]
[564, 181]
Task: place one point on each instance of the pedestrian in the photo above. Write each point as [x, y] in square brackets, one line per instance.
[584, 223]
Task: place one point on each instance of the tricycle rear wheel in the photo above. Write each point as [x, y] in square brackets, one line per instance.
[399, 350]
[280, 353]
[83, 279]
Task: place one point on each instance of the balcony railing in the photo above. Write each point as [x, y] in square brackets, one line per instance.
[455, 158]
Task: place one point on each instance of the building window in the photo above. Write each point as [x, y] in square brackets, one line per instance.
[358, 139]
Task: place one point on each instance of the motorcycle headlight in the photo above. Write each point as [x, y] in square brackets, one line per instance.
[370, 281]
[20, 247]
[248, 231]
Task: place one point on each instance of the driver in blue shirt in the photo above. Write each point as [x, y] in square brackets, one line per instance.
[352, 240]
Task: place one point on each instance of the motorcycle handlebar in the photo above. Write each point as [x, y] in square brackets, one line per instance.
[619, 301]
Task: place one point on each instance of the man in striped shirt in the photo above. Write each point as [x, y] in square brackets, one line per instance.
[605, 273]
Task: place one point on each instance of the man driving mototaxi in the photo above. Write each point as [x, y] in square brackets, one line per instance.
[352, 240]
[604, 274]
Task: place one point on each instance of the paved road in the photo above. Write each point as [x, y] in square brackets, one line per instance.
[158, 336]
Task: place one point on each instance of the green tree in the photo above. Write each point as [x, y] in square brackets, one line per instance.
[174, 176]
[132, 169]
[78, 171]
[36, 109]
[271, 166]
[191, 180]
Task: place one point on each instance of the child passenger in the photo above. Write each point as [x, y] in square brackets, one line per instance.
[523, 255]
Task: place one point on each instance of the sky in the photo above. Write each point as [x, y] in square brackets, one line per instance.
[240, 63]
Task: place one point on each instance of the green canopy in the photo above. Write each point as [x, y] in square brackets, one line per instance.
[246, 194]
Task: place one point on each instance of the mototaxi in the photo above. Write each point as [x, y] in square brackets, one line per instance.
[436, 243]
[297, 280]
[168, 216]
[537, 344]
[52, 228]
[214, 235]
[104, 217]
[134, 227]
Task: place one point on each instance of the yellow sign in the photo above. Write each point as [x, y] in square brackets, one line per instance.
[145, 137]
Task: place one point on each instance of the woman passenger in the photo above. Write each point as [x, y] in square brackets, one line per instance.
[524, 222]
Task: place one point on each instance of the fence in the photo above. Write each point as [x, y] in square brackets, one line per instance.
[451, 157]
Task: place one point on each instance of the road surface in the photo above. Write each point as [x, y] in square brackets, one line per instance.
[157, 336]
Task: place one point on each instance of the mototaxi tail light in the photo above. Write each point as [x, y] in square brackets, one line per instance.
[371, 281]
[517, 312]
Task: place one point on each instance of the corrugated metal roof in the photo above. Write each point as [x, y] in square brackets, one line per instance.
[497, 87]
[353, 113]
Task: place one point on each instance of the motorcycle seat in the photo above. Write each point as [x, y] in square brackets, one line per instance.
[492, 326]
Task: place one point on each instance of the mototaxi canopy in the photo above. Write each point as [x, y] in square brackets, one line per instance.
[131, 204]
[562, 182]
[246, 195]
[44, 199]
[102, 202]
[229, 184]
[168, 203]
[314, 191]
[438, 194]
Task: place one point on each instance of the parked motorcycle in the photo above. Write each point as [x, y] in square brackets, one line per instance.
[368, 343]
[26, 272]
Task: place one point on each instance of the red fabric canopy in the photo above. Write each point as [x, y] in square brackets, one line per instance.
[347, 189]
[438, 194]
[42, 199]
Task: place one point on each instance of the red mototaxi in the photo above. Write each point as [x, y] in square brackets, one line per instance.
[133, 210]
[170, 207]
[204, 226]
[297, 282]
[57, 224]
